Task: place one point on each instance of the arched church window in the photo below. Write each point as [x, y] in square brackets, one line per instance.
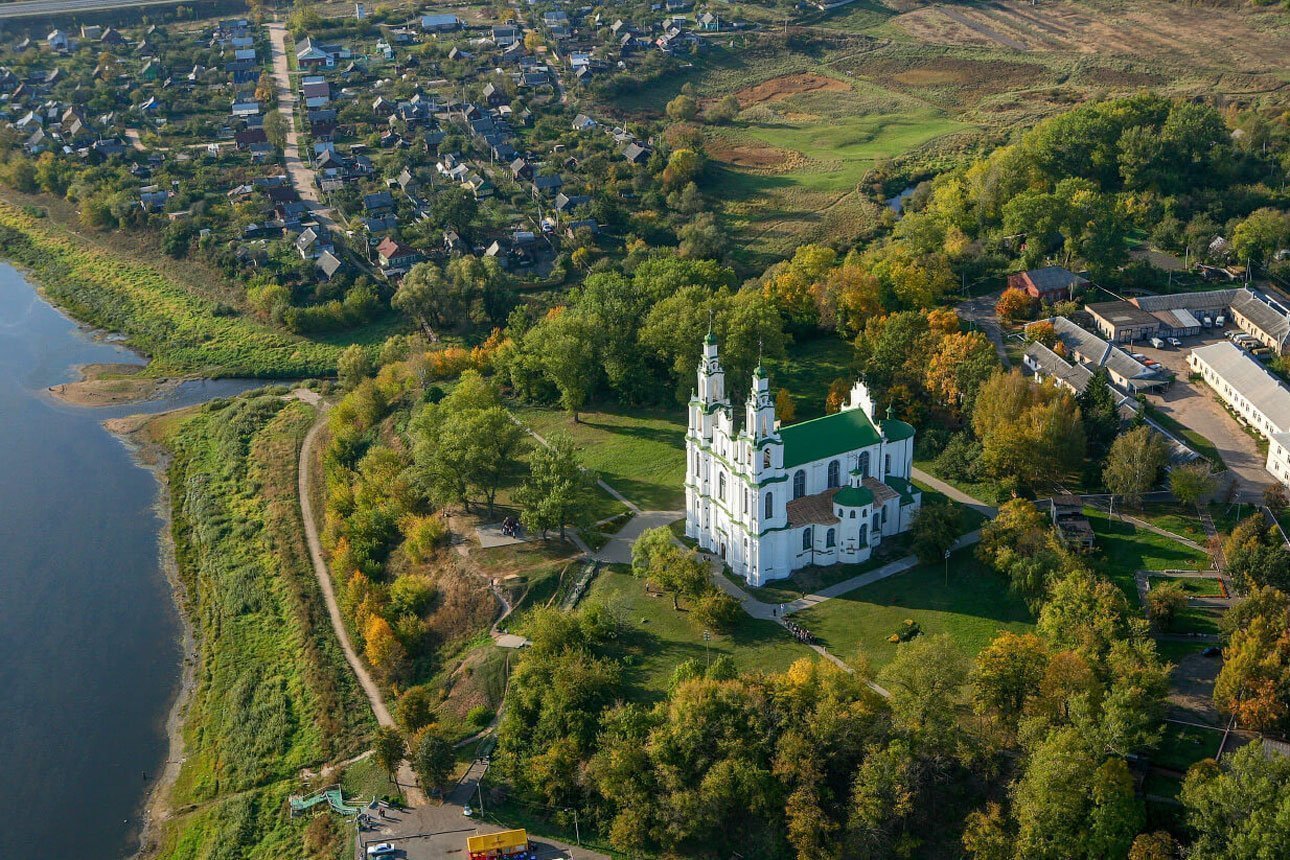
[806, 538]
[770, 505]
[835, 472]
[799, 483]
[765, 459]
[863, 464]
[830, 538]
[721, 486]
[864, 535]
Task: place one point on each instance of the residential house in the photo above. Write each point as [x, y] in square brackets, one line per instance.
[636, 153]
[59, 41]
[437, 23]
[313, 55]
[394, 257]
[328, 265]
[547, 185]
[316, 92]
[1049, 284]
[582, 122]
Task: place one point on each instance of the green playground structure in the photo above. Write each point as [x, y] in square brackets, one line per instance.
[331, 795]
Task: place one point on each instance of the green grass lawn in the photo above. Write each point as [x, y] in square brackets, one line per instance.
[809, 580]
[641, 454]
[1172, 652]
[1194, 587]
[1179, 519]
[364, 779]
[1183, 746]
[1197, 619]
[972, 609]
[658, 637]
[986, 491]
[1123, 549]
[810, 368]
[843, 148]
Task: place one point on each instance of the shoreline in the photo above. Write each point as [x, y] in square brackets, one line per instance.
[152, 456]
[112, 384]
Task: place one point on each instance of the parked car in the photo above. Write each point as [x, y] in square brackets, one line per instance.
[467, 811]
[1220, 320]
[1157, 343]
[1173, 341]
[1207, 322]
[380, 849]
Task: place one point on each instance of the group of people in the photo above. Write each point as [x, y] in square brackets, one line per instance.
[511, 527]
[800, 633]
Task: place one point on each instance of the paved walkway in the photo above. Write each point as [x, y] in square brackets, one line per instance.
[619, 548]
[304, 478]
[989, 511]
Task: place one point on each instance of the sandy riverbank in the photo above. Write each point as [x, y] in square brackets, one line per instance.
[142, 434]
[112, 385]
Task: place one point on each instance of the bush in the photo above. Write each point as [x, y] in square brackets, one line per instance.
[479, 716]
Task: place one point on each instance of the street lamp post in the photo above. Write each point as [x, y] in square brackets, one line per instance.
[707, 657]
[947, 568]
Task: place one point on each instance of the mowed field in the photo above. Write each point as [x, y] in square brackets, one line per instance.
[844, 101]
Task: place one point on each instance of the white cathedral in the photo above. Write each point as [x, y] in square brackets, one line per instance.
[770, 500]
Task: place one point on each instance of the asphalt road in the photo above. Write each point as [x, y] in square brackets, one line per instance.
[50, 8]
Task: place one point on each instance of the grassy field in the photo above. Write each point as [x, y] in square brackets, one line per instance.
[973, 608]
[639, 452]
[1195, 587]
[1123, 549]
[183, 333]
[810, 368]
[658, 637]
[1182, 746]
[273, 692]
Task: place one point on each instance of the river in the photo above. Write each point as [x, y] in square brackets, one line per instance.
[89, 635]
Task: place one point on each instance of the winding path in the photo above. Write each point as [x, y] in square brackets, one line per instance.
[406, 779]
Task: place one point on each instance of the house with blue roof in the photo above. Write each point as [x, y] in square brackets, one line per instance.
[770, 499]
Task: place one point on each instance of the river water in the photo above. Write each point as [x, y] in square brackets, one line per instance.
[89, 635]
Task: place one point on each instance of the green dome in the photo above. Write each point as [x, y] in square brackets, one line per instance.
[853, 497]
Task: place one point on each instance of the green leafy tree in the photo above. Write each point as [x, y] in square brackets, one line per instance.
[353, 366]
[1193, 483]
[1007, 673]
[389, 749]
[1241, 809]
[1100, 416]
[935, 529]
[558, 492]
[1164, 601]
[433, 760]
[1134, 463]
[683, 108]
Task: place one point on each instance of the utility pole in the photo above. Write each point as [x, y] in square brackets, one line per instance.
[947, 568]
[707, 637]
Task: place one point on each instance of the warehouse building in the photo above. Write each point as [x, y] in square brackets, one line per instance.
[1256, 397]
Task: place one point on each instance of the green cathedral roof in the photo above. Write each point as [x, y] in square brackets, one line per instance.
[829, 436]
[853, 497]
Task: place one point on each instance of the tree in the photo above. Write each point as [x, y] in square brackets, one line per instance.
[724, 110]
[1097, 406]
[1133, 464]
[924, 679]
[1015, 304]
[1254, 683]
[1007, 673]
[1192, 483]
[455, 207]
[960, 366]
[717, 610]
[433, 760]
[1164, 602]
[683, 108]
[565, 343]
[276, 129]
[1241, 809]
[558, 491]
[353, 366]
[986, 836]
[1071, 803]
[1261, 235]
[683, 168]
[420, 296]
[935, 528]
[1153, 846]
[389, 749]
[383, 649]
[785, 406]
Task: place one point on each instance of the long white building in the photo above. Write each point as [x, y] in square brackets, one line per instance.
[1253, 393]
[770, 500]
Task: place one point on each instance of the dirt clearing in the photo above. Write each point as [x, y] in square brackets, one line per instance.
[789, 85]
[754, 155]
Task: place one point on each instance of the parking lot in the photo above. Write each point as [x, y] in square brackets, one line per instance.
[439, 831]
[1193, 404]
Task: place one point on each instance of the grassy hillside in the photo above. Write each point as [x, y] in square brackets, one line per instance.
[185, 334]
[273, 694]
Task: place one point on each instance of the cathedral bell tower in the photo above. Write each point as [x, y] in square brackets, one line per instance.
[712, 379]
[759, 420]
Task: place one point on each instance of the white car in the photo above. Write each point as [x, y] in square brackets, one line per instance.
[380, 849]
[467, 811]
[1173, 341]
